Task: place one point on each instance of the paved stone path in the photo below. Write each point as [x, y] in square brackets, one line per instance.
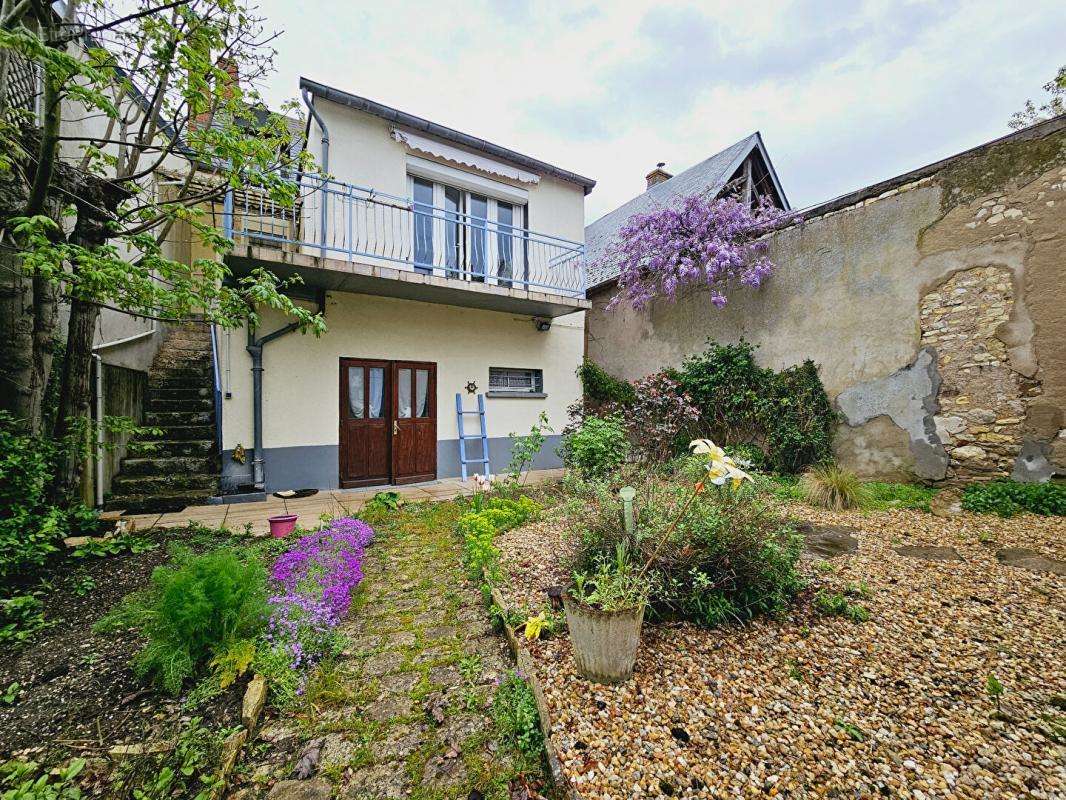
[417, 680]
[237, 516]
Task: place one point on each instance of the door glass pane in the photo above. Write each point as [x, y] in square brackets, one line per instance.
[479, 213]
[421, 392]
[355, 392]
[504, 242]
[453, 232]
[423, 211]
[403, 396]
[377, 392]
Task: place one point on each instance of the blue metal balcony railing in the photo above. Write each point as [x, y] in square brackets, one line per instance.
[337, 219]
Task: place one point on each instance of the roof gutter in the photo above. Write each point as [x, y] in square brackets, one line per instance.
[441, 132]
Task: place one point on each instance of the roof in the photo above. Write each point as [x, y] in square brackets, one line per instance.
[709, 176]
[442, 132]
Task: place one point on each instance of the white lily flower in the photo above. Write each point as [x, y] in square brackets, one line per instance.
[738, 476]
[705, 447]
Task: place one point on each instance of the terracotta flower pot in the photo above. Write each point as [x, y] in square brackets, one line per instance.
[605, 642]
[282, 525]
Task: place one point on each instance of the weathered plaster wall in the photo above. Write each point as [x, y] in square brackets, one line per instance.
[936, 313]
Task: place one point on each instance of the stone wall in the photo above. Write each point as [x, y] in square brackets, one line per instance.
[934, 305]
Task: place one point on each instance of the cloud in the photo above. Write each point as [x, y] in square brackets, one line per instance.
[844, 93]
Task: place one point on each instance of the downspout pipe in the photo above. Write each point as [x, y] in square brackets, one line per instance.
[323, 204]
[255, 350]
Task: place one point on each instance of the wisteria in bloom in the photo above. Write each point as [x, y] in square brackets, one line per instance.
[699, 241]
[316, 579]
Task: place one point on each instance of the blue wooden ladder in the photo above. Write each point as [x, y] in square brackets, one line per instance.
[463, 438]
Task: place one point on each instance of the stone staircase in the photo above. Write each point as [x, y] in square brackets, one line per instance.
[180, 467]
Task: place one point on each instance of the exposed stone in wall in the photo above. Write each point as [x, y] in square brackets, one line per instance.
[982, 398]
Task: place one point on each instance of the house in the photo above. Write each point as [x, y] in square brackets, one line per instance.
[932, 303]
[445, 265]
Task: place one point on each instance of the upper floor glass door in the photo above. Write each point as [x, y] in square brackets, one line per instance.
[463, 234]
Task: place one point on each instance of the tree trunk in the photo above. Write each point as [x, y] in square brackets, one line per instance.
[75, 397]
[16, 341]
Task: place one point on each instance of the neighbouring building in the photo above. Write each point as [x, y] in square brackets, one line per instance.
[934, 304]
[446, 265]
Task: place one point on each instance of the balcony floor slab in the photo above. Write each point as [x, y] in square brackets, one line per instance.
[364, 277]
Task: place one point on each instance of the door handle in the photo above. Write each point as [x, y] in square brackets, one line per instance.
[395, 427]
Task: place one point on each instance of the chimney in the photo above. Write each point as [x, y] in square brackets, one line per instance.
[658, 175]
[229, 82]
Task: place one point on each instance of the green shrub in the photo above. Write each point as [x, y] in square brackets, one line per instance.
[479, 529]
[30, 528]
[525, 449]
[832, 487]
[1007, 498]
[28, 780]
[661, 420]
[881, 496]
[838, 604]
[729, 558]
[193, 610]
[20, 617]
[785, 488]
[600, 388]
[787, 413]
[514, 710]
[598, 446]
[189, 770]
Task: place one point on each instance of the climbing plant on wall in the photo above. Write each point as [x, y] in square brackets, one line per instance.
[701, 241]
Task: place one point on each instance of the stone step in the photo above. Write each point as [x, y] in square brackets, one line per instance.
[202, 448]
[198, 331]
[157, 503]
[182, 393]
[181, 404]
[184, 361]
[160, 465]
[180, 379]
[201, 345]
[189, 483]
[168, 419]
[185, 433]
[183, 387]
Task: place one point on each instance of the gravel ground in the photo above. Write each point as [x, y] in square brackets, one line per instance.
[810, 705]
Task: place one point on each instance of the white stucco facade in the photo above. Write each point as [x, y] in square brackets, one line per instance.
[301, 395]
[301, 380]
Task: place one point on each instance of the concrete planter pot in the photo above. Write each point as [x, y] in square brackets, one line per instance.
[605, 642]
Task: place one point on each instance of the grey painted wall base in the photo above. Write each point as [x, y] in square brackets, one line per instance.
[316, 466]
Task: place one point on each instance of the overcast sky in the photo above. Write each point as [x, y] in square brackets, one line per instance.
[844, 93]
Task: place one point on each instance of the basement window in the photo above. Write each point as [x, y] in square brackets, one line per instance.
[514, 382]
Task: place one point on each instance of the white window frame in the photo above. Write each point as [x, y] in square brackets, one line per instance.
[494, 198]
[535, 387]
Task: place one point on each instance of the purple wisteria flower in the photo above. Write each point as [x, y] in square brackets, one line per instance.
[700, 241]
[316, 579]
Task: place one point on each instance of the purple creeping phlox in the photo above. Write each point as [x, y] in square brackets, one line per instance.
[699, 241]
[316, 579]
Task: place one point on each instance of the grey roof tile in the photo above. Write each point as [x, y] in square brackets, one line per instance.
[710, 175]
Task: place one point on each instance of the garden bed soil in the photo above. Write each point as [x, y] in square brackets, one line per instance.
[814, 704]
[78, 694]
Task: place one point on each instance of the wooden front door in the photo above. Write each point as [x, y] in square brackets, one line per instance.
[388, 422]
[414, 431]
[365, 415]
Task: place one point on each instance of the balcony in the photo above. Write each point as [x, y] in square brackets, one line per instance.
[342, 237]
